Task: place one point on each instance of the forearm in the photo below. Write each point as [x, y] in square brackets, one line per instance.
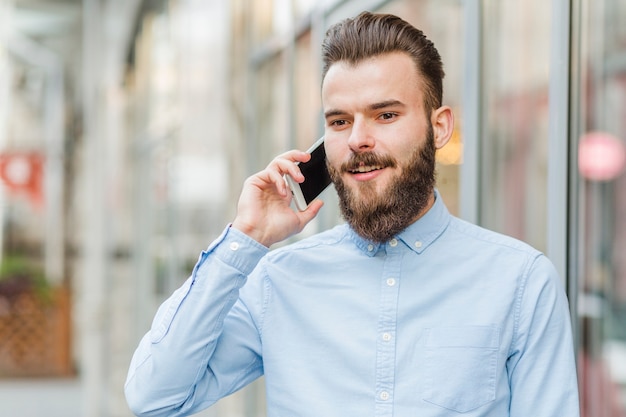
[174, 355]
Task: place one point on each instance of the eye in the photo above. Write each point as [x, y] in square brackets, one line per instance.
[387, 116]
[338, 123]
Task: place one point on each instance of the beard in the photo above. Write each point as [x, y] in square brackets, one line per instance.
[378, 216]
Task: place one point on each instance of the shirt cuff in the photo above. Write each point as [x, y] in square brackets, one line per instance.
[236, 249]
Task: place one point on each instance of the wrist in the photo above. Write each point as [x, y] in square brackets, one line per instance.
[250, 231]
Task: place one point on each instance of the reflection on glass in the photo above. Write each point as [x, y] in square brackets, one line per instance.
[600, 133]
[515, 118]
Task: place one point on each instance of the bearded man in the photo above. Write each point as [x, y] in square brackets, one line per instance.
[403, 311]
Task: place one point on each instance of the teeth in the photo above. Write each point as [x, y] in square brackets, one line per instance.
[364, 168]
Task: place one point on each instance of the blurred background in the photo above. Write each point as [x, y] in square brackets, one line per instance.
[128, 126]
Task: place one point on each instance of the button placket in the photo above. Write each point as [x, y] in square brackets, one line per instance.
[386, 344]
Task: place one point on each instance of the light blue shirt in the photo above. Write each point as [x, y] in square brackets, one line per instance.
[446, 319]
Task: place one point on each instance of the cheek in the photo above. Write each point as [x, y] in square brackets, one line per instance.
[333, 153]
[407, 146]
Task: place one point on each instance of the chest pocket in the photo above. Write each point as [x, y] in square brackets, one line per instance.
[461, 366]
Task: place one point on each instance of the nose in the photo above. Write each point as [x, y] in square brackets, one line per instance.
[361, 139]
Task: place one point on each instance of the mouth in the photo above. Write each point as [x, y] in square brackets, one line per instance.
[362, 168]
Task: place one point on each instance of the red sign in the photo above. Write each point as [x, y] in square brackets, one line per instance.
[22, 173]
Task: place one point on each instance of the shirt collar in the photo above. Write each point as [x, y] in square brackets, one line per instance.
[419, 235]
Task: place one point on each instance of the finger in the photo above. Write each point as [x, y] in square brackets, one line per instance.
[287, 164]
[311, 211]
[279, 182]
[295, 156]
[290, 158]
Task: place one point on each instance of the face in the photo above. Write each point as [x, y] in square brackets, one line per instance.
[379, 143]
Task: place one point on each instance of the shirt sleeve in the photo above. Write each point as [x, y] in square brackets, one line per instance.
[175, 370]
[541, 366]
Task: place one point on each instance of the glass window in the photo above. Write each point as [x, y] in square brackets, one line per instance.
[515, 83]
[599, 136]
[307, 104]
[272, 109]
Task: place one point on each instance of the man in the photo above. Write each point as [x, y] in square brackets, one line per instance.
[403, 311]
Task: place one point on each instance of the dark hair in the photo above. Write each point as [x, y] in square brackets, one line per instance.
[368, 35]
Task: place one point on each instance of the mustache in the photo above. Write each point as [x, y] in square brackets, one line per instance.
[368, 159]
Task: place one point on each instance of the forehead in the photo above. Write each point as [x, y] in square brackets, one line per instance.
[383, 77]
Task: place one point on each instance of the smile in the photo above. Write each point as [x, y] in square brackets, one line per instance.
[365, 168]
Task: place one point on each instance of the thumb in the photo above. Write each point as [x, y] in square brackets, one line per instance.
[311, 211]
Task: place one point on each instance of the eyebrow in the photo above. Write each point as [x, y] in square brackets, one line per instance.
[333, 113]
[375, 106]
[385, 104]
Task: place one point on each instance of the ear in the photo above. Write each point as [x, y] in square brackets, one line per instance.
[442, 121]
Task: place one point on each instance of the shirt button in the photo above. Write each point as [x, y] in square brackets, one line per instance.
[391, 282]
[393, 243]
[384, 395]
[234, 246]
[386, 337]
[418, 244]
[370, 247]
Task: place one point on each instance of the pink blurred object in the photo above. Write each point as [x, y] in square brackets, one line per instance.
[601, 156]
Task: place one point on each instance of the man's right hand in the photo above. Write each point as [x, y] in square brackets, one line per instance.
[264, 212]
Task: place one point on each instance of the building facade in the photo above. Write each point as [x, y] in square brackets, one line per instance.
[150, 123]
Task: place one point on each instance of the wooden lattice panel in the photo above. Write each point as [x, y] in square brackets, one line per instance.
[34, 336]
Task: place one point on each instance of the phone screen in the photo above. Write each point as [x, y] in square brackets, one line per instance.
[316, 177]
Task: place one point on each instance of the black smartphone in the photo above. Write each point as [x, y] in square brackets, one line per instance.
[316, 177]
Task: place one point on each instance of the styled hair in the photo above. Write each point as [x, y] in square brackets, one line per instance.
[368, 35]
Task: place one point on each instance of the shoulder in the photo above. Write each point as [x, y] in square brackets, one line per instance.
[337, 237]
[468, 243]
[478, 236]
